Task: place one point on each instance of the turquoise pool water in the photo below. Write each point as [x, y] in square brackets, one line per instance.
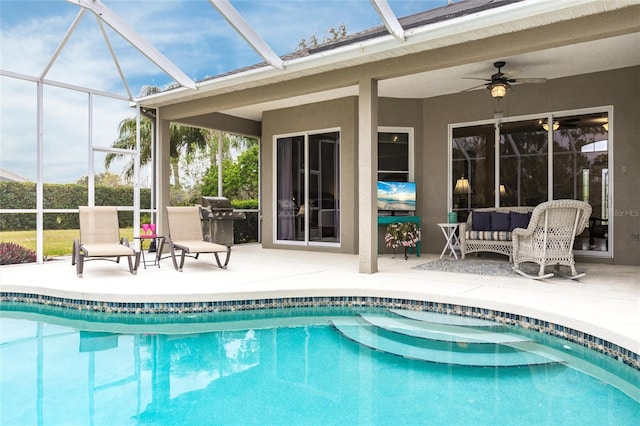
[301, 367]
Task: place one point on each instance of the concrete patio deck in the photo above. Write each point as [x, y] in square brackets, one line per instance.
[605, 303]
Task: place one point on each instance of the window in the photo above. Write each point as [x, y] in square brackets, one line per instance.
[536, 162]
[395, 154]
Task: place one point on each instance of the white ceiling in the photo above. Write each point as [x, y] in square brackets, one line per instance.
[583, 58]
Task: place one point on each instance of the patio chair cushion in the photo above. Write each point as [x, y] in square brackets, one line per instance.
[488, 235]
[107, 250]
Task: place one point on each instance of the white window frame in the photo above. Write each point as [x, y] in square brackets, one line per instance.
[410, 131]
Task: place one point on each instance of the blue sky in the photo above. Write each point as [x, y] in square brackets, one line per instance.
[190, 33]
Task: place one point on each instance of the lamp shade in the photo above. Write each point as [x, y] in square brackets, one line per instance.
[462, 187]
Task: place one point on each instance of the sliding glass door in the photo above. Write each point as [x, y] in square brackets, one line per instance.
[307, 186]
[524, 162]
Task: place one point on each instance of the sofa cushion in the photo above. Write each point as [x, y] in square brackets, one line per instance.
[519, 220]
[488, 235]
[481, 221]
[500, 221]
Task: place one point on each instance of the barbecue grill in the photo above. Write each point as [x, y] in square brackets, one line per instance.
[217, 216]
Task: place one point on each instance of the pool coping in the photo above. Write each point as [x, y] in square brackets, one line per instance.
[603, 305]
[146, 305]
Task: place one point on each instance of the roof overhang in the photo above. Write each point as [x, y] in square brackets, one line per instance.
[486, 24]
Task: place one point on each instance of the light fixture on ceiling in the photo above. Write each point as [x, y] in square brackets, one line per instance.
[605, 126]
[498, 90]
[545, 125]
[503, 191]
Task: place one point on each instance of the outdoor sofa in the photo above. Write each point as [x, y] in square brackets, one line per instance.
[489, 229]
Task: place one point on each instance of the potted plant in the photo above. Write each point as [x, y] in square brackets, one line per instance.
[405, 234]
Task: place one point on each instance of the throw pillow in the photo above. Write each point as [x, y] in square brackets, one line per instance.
[481, 221]
[500, 221]
[519, 220]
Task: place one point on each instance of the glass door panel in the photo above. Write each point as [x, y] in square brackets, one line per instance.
[581, 172]
[523, 164]
[473, 168]
[289, 187]
[324, 195]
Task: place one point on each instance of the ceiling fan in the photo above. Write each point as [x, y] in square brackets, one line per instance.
[500, 82]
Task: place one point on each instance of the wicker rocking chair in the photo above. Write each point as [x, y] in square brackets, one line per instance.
[548, 240]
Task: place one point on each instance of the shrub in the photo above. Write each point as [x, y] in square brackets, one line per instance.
[11, 254]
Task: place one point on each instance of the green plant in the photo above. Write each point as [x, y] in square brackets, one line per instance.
[11, 254]
[405, 234]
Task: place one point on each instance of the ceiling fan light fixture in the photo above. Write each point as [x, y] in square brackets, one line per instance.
[556, 125]
[498, 90]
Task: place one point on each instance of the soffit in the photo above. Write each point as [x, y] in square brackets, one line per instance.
[595, 56]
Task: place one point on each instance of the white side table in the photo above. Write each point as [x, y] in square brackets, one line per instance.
[449, 231]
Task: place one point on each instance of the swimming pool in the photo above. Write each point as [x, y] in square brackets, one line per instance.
[320, 366]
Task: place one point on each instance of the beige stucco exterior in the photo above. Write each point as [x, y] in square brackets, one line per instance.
[430, 118]
[620, 91]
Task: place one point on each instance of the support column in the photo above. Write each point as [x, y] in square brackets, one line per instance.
[367, 176]
[163, 173]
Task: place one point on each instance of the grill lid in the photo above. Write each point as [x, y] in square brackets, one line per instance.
[216, 203]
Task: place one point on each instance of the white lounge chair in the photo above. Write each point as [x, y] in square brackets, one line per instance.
[100, 239]
[185, 235]
[548, 240]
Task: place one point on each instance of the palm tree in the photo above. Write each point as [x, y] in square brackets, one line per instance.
[127, 140]
[230, 143]
[182, 139]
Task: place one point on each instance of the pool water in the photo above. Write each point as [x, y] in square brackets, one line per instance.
[301, 367]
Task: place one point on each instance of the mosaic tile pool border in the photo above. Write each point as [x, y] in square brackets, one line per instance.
[143, 309]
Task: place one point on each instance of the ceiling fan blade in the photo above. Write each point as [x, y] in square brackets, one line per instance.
[476, 78]
[474, 87]
[512, 72]
[530, 80]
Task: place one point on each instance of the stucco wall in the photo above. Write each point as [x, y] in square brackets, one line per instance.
[621, 90]
[342, 114]
[430, 119]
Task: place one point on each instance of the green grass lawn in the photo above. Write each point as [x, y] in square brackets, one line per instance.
[56, 242]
